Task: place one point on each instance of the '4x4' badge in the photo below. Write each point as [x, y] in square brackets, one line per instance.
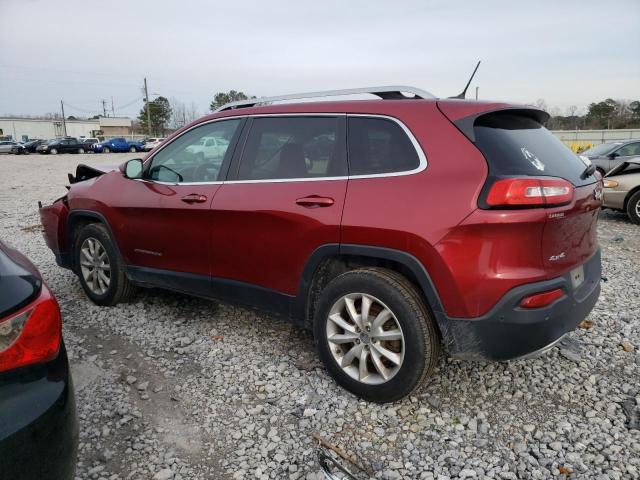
[535, 161]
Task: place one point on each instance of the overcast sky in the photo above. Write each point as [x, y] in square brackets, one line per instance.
[566, 52]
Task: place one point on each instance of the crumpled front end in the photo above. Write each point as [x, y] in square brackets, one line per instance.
[54, 221]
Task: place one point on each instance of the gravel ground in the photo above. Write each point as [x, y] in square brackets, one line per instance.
[173, 387]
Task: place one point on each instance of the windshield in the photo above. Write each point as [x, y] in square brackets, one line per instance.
[52, 141]
[601, 149]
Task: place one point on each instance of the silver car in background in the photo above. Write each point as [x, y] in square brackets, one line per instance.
[622, 189]
[609, 155]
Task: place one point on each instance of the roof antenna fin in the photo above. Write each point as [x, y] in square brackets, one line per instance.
[464, 92]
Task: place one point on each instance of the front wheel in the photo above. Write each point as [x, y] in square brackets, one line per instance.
[133, 149]
[98, 267]
[53, 151]
[106, 150]
[633, 208]
[81, 150]
[375, 335]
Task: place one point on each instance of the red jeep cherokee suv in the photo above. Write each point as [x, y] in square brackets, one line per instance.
[387, 226]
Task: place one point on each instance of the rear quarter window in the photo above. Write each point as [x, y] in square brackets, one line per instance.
[378, 146]
[517, 145]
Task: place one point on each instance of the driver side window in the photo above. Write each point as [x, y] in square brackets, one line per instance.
[191, 157]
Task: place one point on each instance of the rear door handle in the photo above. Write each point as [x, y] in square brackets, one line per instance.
[315, 201]
[194, 198]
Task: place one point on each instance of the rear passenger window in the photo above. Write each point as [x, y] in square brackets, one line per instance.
[378, 145]
[294, 147]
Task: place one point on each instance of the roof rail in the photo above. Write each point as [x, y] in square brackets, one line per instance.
[388, 93]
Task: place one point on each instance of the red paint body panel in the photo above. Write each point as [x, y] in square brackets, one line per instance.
[152, 226]
[260, 235]
[54, 221]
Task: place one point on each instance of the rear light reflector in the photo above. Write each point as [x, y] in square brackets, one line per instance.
[32, 335]
[543, 299]
[530, 192]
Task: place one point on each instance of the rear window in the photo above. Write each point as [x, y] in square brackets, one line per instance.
[517, 145]
[378, 145]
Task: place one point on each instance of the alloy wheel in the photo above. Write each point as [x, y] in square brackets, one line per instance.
[365, 338]
[95, 266]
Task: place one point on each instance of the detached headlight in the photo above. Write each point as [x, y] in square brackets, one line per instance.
[610, 184]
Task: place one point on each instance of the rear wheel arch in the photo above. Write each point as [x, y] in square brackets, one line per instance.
[329, 261]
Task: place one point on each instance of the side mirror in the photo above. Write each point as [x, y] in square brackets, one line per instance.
[613, 155]
[132, 168]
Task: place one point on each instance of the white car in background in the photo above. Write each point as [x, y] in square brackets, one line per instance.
[152, 143]
[209, 148]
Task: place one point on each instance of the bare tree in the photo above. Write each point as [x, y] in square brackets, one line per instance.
[182, 114]
[541, 104]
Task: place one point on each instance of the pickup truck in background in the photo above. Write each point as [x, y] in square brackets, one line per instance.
[116, 145]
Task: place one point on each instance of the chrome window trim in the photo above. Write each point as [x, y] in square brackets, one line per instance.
[422, 165]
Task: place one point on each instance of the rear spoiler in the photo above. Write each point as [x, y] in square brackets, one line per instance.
[464, 116]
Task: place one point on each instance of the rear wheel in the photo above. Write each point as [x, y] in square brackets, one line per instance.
[53, 151]
[375, 335]
[81, 150]
[98, 267]
[633, 208]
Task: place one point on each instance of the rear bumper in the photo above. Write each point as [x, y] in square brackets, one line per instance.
[38, 423]
[509, 332]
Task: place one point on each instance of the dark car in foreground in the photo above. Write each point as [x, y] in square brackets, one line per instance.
[390, 227]
[117, 145]
[38, 426]
[61, 145]
[609, 155]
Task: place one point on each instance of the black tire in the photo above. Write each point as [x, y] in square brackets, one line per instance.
[633, 208]
[53, 151]
[421, 339]
[133, 149]
[120, 289]
[81, 150]
[106, 150]
[601, 171]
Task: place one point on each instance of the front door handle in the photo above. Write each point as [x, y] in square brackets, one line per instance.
[194, 198]
[315, 201]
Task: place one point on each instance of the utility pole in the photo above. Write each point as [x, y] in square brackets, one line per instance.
[64, 121]
[477, 88]
[104, 107]
[113, 110]
[146, 99]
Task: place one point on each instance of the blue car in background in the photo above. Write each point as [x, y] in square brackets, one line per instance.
[117, 145]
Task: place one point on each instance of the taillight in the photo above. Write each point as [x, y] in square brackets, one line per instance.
[543, 299]
[531, 192]
[32, 335]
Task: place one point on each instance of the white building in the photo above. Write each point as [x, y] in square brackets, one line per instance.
[26, 128]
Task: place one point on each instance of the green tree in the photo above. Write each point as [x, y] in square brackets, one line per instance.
[601, 113]
[160, 110]
[222, 98]
[634, 109]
